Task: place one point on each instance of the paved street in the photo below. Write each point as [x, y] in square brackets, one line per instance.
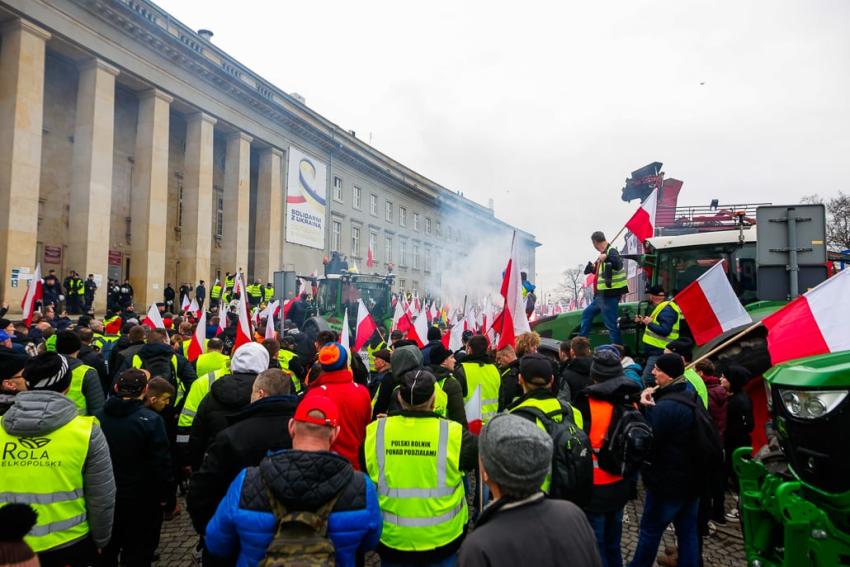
[724, 549]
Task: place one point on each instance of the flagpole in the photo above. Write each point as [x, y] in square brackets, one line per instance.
[726, 343]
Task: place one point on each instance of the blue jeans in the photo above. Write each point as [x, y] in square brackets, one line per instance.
[447, 562]
[608, 307]
[658, 513]
[608, 529]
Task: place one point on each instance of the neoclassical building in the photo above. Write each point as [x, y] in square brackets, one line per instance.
[132, 147]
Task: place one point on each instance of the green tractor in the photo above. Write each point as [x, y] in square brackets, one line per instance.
[340, 291]
[795, 498]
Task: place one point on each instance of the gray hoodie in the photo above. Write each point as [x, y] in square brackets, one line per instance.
[39, 412]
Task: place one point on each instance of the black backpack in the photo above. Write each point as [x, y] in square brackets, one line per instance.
[706, 450]
[627, 442]
[160, 365]
[301, 537]
[572, 460]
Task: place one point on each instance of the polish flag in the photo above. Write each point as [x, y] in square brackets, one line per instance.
[814, 323]
[185, 305]
[345, 335]
[433, 311]
[455, 337]
[194, 308]
[710, 305]
[243, 326]
[401, 321]
[513, 320]
[198, 343]
[642, 223]
[419, 331]
[370, 257]
[33, 294]
[473, 411]
[222, 322]
[366, 326]
[287, 305]
[154, 319]
[237, 284]
[270, 313]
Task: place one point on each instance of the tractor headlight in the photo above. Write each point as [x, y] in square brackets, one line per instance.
[811, 404]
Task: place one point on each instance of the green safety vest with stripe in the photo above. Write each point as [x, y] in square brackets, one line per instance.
[413, 462]
[371, 351]
[197, 392]
[487, 376]
[652, 338]
[55, 492]
[619, 279]
[215, 291]
[283, 358]
[254, 291]
[75, 391]
[549, 405]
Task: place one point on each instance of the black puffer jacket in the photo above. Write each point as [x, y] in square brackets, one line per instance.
[575, 377]
[261, 427]
[228, 395]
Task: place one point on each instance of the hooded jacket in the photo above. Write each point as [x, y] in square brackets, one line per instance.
[575, 377]
[92, 390]
[185, 371]
[718, 400]
[40, 412]
[139, 450]
[261, 427]
[403, 359]
[244, 523]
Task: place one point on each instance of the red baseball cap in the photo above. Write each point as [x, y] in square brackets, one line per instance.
[321, 404]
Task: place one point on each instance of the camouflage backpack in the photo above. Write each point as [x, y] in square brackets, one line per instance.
[301, 538]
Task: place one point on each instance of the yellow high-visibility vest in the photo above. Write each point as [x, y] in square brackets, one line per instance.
[654, 339]
[487, 376]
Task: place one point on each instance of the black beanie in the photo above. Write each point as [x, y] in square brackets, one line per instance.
[671, 365]
[48, 371]
[438, 354]
[434, 334]
[67, 342]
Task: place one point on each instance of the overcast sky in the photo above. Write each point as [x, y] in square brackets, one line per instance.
[547, 106]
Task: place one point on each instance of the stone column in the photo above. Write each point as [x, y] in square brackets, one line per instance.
[91, 176]
[21, 113]
[269, 203]
[149, 199]
[196, 239]
[237, 169]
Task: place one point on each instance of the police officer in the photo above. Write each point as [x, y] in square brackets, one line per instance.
[661, 327]
[255, 293]
[268, 292]
[611, 284]
[89, 287]
[415, 458]
[215, 294]
[74, 497]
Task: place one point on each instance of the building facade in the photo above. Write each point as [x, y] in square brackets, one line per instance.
[132, 147]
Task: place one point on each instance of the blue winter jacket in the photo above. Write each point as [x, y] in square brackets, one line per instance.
[666, 319]
[243, 525]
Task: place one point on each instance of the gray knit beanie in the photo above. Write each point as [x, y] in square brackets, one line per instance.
[606, 364]
[516, 454]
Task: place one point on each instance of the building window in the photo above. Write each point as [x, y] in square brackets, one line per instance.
[415, 221]
[402, 253]
[373, 204]
[355, 241]
[415, 257]
[402, 216]
[357, 197]
[219, 214]
[427, 259]
[388, 211]
[402, 284]
[337, 189]
[439, 229]
[415, 287]
[373, 243]
[388, 249]
[427, 225]
[336, 235]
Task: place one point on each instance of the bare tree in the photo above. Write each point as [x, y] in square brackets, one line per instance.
[837, 219]
[570, 285]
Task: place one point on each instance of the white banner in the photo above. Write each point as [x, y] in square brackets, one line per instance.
[306, 200]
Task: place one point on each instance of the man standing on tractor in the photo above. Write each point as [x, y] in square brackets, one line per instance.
[611, 284]
[661, 327]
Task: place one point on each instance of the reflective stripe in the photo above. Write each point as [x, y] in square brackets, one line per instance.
[379, 452]
[36, 498]
[59, 526]
[442, 464]
[210, 378]
[182, 439]
[187, 412]
[490, 401]
[442, 450]
[425, 522]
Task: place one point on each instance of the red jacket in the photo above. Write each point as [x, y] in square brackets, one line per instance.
[355, 410]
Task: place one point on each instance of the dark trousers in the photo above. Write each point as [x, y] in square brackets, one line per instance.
[658, 512]
[135, 533]
[73, 301]
[608, 529]
[80, 554]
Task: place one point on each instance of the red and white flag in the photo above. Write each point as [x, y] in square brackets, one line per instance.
[512, 321]
[433, 311]
[401, 320]
[185, 304]
[194, 308]
[34, 293]
[271, 309]
[370, 257]
[243, 326]
[366, 326]
[710, 305]
[198, 342]
[222, 321]
[473, 411]
[419, 331]
[814, 323]
[642, 223]
[456, 337]
[154, 319]
[345, 335]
